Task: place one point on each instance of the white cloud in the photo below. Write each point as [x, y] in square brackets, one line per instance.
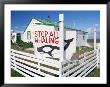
[24, 26]
[16, 27]
[90, 31]
[96, 25]
[18, 31]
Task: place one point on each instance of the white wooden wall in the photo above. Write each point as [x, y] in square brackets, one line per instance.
[32, 27]
[14, 37]
[72, 47]
[79, 39]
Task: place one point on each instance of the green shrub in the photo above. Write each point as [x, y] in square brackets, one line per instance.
[15, 73]
[83, 49]
[24, 45]
[94, 73]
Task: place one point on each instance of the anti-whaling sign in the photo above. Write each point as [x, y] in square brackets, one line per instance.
[47, 42]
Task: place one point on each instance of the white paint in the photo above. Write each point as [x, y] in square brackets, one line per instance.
[13, 37]
[61, 28]
[46, 49]
[30, 57]
[98, 58]
[72, 47]
[32, 27]
[61, 31]
[82, 67]
[94, 38]
[81, 39]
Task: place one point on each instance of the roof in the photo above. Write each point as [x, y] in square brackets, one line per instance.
[92, 40]
[50, 23]
[45, 22]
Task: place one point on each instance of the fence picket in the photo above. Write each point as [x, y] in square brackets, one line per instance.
[86, 66]
[88, 69]
[29, 62]
[29, 65]
[77, 67]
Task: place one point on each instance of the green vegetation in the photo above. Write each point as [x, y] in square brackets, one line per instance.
[94, 73]
[83, 49]
[15, 73]
[24, 45]
[15, 46]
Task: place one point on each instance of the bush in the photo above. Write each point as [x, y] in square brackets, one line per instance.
[94, 73]
[83, 49]
[24, 45]
[15, 73]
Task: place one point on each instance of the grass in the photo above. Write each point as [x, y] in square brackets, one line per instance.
[16, 47]
[79, 50]
[15, 73]
[94, 73]
[82, 49]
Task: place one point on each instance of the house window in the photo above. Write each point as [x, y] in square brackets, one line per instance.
[28, 35]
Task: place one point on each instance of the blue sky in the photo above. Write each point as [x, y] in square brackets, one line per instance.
[81, 20]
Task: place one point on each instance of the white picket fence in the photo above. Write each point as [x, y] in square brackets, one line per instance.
[82, 66]
[29, 65]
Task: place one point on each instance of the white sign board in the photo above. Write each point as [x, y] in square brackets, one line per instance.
[55, 44]
[46, 43]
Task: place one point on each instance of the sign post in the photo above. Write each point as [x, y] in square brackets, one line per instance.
[50, 43]
[94, 38]
[61, 28]
[96, 50]
[61, 32]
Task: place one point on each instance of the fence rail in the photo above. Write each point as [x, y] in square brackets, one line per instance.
[82, 66]
[29, 65]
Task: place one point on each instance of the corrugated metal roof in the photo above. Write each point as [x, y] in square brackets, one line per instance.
[50, 23]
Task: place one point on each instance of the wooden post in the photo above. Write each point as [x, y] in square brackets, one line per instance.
[14, 60]
[84, 56]
[61, 32]
[96, 51]
[61, 28]
[37, 55]
[94, 38]
[98, 58]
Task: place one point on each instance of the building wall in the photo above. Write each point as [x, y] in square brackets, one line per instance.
[13, 37]
[34, 27]
[72, 47]
[81, 39]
